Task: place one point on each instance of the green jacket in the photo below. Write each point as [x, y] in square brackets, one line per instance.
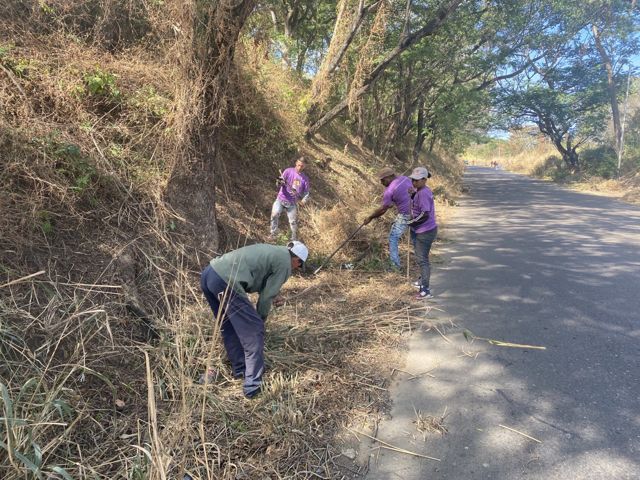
[260, 268]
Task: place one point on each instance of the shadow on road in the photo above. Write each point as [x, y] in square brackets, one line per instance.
[539, 265]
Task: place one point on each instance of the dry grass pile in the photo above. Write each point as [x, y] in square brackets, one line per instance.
[85, 396]
[426, 424]
[626, 188]
[330, 229]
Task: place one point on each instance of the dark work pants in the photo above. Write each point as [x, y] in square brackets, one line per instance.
[242, 329]
[422, 246]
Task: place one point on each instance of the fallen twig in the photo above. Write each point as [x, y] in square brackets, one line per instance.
[15, 82]
[18, 280]
[499, 343]
[393, 447]
[519, 432]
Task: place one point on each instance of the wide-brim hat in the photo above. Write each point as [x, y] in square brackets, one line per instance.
[385, 172]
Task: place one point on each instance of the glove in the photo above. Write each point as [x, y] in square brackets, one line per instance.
[280, 182]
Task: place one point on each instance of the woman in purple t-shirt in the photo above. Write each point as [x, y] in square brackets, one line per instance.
[423, 226]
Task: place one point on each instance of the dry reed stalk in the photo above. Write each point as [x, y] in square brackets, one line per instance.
[18, 280]
[520, 433]
[393, 447]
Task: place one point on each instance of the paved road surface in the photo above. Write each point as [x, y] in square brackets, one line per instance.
[536, 264]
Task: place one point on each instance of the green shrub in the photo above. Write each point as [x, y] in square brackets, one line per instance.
[46, 222]
[101, 84]
[18, 66]
[149, 101]
[600, 161]
[70, 162]
[551, 166]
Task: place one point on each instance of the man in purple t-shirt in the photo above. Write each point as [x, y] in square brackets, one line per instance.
[396, 193]
[294, 189]
[423, 226]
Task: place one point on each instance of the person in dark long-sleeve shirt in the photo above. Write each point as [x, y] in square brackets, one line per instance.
[227, 280]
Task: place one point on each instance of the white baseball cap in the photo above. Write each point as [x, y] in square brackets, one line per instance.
[299, 249]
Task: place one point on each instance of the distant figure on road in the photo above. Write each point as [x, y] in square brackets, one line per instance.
[423, 227]
[293, 189]
[396, 193]
[226, 281]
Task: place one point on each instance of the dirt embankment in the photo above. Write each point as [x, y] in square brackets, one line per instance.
[103, 330]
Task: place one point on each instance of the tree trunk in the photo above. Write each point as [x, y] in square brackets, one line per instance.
[300, 61]
[406, 42]
[360, 131]
[420, 134]
[611, 88]
[190, 191]
[335, 55]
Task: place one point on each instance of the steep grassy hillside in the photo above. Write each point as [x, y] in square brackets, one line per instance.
[103, 330]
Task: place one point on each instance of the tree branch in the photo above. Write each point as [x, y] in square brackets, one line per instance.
[428, 29]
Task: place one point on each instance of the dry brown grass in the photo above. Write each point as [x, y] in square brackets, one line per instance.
[98, 408]
[542, 161]
[99, 355]
[426, 424]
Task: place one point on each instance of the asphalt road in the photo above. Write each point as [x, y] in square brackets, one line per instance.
[535, 264]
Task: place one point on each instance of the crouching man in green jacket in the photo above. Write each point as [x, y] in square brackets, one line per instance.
[227, 280]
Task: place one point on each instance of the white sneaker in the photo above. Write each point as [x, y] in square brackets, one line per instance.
[424, 295]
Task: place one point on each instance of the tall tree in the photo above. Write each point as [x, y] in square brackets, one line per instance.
[206, 59]
[429, 27]
[564, 96]
[614, 29]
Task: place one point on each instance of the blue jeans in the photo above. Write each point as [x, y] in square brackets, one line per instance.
[242, 329]
[398, 228]
[422, 246]
[292, 213]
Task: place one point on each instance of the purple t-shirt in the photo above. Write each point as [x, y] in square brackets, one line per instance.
[296, 186]
[423, 202]
[398, 193]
